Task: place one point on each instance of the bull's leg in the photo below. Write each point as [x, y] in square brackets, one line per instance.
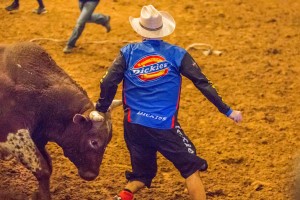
[23, 147]
[43, 176]
[47, 158]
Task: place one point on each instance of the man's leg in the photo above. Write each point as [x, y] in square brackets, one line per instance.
[178, 148]
[41, 9]
[41, 4]
[101, 19]
[87, 10]
[13, 6]
[131, 188]
[134, 186]
[195, 187]
[143, 160]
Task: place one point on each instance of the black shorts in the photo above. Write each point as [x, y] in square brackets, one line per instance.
[143, 144]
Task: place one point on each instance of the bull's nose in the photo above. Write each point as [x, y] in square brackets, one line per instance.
[88, 176]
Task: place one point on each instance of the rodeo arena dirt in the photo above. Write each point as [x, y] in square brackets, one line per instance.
[250, 50]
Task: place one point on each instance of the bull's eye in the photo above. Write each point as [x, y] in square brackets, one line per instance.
[94, 143]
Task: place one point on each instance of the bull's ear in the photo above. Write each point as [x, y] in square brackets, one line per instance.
[78, 118]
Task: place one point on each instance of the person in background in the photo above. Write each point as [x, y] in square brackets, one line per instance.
[87, 8]
[152, 71]
[15, 6]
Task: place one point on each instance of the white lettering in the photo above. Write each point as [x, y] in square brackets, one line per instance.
[185, 140]
[151, 116]
[136, 71]
[187, 145]
[150, 68]
[190, 150]
[179, 133]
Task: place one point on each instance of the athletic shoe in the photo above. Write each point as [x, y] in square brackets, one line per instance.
[40, 11]
[107, 25]
[68, 49]
[12, 7]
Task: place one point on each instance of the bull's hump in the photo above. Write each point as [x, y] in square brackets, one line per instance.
[28, 63]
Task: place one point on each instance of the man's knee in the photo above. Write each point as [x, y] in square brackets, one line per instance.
[80, 24]
[146, 179]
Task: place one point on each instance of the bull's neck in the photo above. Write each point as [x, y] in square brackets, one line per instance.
[61, 120]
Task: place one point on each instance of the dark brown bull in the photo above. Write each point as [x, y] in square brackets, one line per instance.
[39, 103]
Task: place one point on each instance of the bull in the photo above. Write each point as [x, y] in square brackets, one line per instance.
[41, 103]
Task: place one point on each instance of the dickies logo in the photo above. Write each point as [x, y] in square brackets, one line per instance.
[150, 68]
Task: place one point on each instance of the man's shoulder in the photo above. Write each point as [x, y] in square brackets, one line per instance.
[129, 46]
[174, 46]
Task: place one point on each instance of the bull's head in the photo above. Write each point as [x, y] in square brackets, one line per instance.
[88, 141]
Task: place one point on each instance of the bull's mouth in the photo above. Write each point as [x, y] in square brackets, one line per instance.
[88, 175]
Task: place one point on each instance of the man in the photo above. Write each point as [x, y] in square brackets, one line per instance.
[87, 8]
[151, 72]
[15, 6]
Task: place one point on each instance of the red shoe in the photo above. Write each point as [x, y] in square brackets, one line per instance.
[124, 195]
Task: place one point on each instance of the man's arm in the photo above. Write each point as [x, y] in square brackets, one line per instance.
[109, 83]
[192, 71]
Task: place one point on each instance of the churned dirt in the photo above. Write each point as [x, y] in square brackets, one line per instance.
[257, 73]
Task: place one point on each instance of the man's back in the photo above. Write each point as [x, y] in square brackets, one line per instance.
[152, 82]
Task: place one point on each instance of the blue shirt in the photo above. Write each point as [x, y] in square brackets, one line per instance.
[151, 72]
[152, 82]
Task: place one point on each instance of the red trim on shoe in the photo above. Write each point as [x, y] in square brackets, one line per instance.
[125, 195]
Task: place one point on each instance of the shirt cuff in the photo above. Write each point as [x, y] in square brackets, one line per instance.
[100, 108]
[229, 112]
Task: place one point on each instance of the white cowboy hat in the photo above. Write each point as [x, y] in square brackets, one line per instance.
[153, 23]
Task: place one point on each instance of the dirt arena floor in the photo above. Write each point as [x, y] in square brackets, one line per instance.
[257, 73]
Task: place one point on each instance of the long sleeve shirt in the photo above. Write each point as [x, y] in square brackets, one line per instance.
[151, 74]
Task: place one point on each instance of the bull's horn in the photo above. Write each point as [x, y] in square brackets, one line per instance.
[115, 103]
[96, 116]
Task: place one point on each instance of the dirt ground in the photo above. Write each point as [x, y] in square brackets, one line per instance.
[257, 73]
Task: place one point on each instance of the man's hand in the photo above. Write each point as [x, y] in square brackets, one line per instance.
[236, 116]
